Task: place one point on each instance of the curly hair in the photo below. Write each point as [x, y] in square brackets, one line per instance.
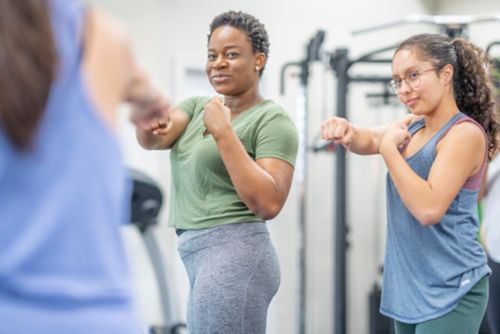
[255, 30]
[472, 83]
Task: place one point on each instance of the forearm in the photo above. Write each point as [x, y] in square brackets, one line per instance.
[260, 192]
[366, 141]
[416, 193]
[140, 91]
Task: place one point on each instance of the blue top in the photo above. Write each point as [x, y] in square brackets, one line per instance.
[428, 269]
[62, 264]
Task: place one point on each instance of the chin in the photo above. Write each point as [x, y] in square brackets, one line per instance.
[417, 112]
[221, 90]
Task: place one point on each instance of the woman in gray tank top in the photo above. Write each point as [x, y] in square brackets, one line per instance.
[435, 271]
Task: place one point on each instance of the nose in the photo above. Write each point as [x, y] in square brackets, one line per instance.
[404, 88]
[219, 62]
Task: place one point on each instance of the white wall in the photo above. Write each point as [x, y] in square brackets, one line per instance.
[171, 32]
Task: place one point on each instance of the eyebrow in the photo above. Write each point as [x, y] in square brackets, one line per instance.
[227, 47]
[408, 70]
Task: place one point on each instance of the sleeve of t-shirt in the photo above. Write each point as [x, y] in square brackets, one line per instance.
[190, 105]
[277, 138]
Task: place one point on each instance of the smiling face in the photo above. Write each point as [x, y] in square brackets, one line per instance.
[422, 85]
[232, 67]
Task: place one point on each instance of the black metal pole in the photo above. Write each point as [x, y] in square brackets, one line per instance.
[340, 63]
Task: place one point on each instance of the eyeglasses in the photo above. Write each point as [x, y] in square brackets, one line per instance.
[412, 79]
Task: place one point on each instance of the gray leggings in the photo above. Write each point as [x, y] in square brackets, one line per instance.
[233, 274]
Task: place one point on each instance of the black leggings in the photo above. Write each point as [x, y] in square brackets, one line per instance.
[494, 302]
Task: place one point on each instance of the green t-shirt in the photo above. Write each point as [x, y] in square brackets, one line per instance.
[202, 194]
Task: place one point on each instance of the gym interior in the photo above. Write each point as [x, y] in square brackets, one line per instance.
[330, 235]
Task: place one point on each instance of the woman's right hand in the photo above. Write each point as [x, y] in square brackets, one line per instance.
[338, 130]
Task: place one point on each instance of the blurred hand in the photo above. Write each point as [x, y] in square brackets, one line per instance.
[338, 130]
[150, 107]
[151, 113]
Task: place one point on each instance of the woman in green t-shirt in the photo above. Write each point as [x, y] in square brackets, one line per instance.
[232, 162]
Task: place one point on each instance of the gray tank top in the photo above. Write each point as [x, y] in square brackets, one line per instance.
[428, 269]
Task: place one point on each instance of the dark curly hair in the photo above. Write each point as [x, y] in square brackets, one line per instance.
[255, 30]
[472, 84]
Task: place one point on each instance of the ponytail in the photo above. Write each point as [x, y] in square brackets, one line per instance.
[474, 90]
[27, 67]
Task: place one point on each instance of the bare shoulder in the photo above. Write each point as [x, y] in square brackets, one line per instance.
[465, 144]
[468, 133]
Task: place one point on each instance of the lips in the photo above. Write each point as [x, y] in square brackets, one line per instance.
[411, 102]
[220, 78]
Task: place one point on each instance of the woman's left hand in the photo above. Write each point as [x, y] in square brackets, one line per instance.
[216, 116]
[397, 134]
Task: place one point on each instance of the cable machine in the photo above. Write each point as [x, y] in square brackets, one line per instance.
[312, 55]
[341, 64]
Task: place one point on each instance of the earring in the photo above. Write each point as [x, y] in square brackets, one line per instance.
[257, 69]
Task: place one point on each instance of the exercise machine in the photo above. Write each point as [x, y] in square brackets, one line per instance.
[146, 203]
[312, 55]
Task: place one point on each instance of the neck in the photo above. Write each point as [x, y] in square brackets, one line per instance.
[242, 102]
[441, 115]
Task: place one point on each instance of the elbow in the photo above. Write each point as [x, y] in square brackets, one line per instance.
[268, 211]
[429, 217]
[141, 140]
[145, 144]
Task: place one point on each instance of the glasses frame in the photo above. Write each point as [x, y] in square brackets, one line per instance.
[396, 84]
